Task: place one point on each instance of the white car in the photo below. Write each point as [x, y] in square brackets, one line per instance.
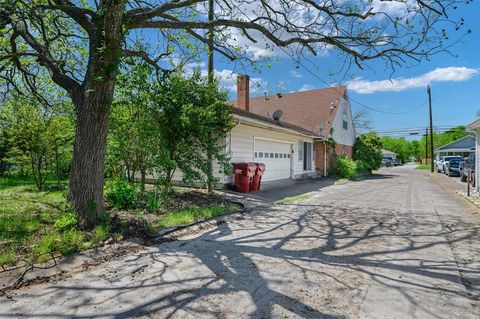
[440, 163]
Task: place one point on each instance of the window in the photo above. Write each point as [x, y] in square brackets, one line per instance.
[256, 155]
[271, 155]
[314, 151]
[260, 154]
[266, 155]
[288, 155]
[345, 120]
[276, 155]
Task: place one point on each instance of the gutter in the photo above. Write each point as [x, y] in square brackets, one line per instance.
[324, 158]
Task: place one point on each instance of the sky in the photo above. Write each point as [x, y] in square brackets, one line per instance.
[454, 81]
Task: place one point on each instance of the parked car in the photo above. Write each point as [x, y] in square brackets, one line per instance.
[387, 161]
[452, 167]
[440, 164]
[396, 162]
[468, 164]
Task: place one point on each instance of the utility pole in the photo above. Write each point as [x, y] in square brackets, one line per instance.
[426, 145]
[210, 81]
[431, 126]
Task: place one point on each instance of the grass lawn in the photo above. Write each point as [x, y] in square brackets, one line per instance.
[423, 166]
[34, 225]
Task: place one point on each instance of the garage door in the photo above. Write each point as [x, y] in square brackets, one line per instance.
[276, 156]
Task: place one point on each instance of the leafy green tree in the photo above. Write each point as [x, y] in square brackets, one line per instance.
[38, 137]
[192, 117]
[368, 149]
[131, 126]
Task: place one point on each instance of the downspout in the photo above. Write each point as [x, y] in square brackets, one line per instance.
[324, 158]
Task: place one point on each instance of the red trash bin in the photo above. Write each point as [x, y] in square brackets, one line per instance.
[257, 178]
[244, 173]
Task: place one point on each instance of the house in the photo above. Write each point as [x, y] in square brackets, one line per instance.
[390, 154]
[475, 127]
[287, 132]
[461, 147]
[324, 112]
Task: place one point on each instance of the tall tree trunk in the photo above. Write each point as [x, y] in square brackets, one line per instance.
[88, 166]
[93, 105]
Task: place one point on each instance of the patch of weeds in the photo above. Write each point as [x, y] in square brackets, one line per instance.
[48, 244]
[66, 221]
[341, 181]
[100, 233]
[291, 199]
[423, 166]
[153, 201]
[190, 215]
[7, 257]
[71, 241]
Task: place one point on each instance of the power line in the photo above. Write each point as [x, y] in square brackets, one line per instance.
[350, 98]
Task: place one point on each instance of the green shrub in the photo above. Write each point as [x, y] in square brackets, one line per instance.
[122, 194]
[368, 149]
[362, 167]
[66, 221]
[346, 167]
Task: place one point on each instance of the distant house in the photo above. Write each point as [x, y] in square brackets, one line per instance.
[387, 153]
[461, 147]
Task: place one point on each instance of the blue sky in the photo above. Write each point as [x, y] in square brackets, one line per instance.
[454, 80]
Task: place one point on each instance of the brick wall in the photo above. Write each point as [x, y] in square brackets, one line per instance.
[340, 149]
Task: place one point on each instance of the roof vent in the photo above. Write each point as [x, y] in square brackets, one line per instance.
[277, 115]
[332, 106]
[279, 95]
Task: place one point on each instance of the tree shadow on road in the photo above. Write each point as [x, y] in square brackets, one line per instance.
[272, 264]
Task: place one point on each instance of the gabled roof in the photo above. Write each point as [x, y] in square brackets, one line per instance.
[271, 121]
[464, 143]
[305, 109]
[384, 151]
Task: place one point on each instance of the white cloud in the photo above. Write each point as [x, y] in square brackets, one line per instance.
[392, 8]
[296, 74]
[448, 74]
[306, 87]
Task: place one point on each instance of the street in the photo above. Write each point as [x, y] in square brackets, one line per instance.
[396, 245]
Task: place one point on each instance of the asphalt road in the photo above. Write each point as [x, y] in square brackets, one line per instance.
[398, 245]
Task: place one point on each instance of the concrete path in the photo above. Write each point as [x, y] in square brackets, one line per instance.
[400, 245]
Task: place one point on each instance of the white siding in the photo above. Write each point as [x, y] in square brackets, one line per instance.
[341, 135]
[242, 144]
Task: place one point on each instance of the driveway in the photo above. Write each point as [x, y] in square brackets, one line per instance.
[398, 245]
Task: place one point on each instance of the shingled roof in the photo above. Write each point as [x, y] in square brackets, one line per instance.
[270, 120]
[305, 109]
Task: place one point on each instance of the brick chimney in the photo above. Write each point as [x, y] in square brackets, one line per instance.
[243, 92]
